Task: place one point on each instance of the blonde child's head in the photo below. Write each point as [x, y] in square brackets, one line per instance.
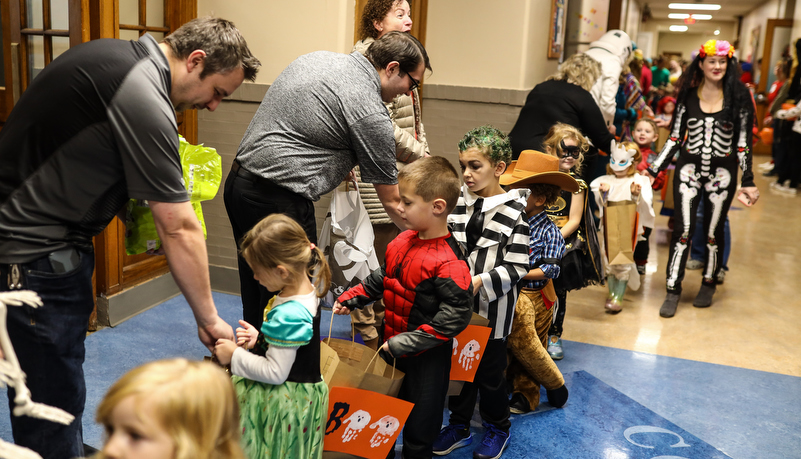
[190, 404]
[644, 132]
[278, 240]
[635, 160]
[563, 135]
[432, 178]
[490, 141]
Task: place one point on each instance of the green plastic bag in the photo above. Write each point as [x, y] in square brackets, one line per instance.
[202, 175]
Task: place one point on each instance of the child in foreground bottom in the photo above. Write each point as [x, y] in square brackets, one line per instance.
[152, 413]
[425, 283]
[283, 398]
[529, 363]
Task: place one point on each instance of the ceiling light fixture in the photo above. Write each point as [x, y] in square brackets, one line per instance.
[698, 17]
[717, 32]
[678, 28]
[694, 6]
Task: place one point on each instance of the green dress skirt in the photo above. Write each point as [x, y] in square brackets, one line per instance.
[284, 421]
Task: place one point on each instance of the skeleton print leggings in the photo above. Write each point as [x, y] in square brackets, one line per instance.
[717, 188]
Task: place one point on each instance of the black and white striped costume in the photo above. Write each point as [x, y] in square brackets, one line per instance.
[706, 167]
[500, 256]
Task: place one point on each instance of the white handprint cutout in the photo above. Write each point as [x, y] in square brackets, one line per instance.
[355, 424]
[387, 426]
[469, 354]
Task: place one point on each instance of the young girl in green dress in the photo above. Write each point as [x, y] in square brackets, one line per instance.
[282, 397]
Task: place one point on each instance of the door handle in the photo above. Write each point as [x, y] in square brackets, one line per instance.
[15, 71]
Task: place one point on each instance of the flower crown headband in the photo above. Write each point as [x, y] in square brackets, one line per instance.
[716, 48]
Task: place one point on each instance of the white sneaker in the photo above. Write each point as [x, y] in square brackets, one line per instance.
[786, 189]
[766, 166]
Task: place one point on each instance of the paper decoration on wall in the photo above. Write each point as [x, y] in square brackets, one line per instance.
[468, 347]
[363, 423]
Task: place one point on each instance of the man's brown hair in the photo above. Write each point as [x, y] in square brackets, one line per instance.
[225, 48]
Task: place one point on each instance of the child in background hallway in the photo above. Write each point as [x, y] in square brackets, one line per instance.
[530, 366]
[426, 287]
[282, 396]
[623, 183]
[491, 224]
[645, 134]
[581, 265]
[152, 412]
[664, 113]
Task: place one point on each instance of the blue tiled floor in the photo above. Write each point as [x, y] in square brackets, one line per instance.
[718, 411]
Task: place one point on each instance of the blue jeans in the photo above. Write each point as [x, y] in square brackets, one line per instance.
[49, 342]
[699, 239]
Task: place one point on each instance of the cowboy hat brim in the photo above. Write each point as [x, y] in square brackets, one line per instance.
[560, 179]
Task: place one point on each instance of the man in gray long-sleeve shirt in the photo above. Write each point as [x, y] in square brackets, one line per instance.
[322, 116]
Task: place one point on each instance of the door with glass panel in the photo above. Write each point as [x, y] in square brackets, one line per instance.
[34, 33]
[128, 20]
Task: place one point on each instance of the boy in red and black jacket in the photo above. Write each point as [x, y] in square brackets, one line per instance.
[427, 289]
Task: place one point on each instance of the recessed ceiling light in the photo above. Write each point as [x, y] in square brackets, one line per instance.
[699, 17]
[678, 28]
[694, 6]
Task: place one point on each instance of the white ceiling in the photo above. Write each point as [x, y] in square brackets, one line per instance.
[728, 11]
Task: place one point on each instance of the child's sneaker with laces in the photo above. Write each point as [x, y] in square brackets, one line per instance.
[451, 437]
[491, 447]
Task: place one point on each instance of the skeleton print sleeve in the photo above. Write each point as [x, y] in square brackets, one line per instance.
[673, 142]
[744, 144]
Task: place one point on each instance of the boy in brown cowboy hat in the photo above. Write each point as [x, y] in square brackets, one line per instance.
[529, 363]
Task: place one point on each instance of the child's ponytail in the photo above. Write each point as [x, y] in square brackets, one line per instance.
[319, 272]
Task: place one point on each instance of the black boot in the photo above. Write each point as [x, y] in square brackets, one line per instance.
[557, 397]
[704, 297]
[668, 308]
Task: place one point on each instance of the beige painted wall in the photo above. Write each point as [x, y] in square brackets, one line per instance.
[499, 44]
[757, 19]
[279, 31]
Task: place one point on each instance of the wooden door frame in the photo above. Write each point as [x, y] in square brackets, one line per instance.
[114, 270]
[769, 33]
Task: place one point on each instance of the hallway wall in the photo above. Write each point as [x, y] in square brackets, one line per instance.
[486, 56]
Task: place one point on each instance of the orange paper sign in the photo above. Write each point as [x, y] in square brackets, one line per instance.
[363, 423]
[468, 347]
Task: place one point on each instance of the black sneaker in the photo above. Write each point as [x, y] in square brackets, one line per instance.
[519, 404]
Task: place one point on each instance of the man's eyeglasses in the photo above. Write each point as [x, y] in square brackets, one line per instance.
[573, 151]
[415, 83]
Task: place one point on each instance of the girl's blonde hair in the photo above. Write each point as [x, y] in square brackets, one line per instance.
[560, 132]
[193, 402]
[580, 70]
[635, 161]
[280, 240]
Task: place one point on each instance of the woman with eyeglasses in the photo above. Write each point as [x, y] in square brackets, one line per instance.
[581, 263]
[379, 18]
[563, 98]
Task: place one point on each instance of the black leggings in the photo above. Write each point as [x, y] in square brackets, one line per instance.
[689, 186]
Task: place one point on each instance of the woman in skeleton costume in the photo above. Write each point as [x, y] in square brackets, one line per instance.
[711, 130]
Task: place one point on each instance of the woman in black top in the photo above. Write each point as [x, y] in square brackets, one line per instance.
[715, 112]
[563, 98]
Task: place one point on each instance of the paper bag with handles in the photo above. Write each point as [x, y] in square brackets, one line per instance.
[620, 231]
[362, 423]
[667, 190]
[346, 363]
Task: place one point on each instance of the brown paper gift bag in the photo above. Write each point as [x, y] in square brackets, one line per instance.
[620, 231]
[350, 364]
[668, 190]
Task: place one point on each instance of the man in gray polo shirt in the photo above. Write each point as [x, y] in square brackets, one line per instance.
[322, 116]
